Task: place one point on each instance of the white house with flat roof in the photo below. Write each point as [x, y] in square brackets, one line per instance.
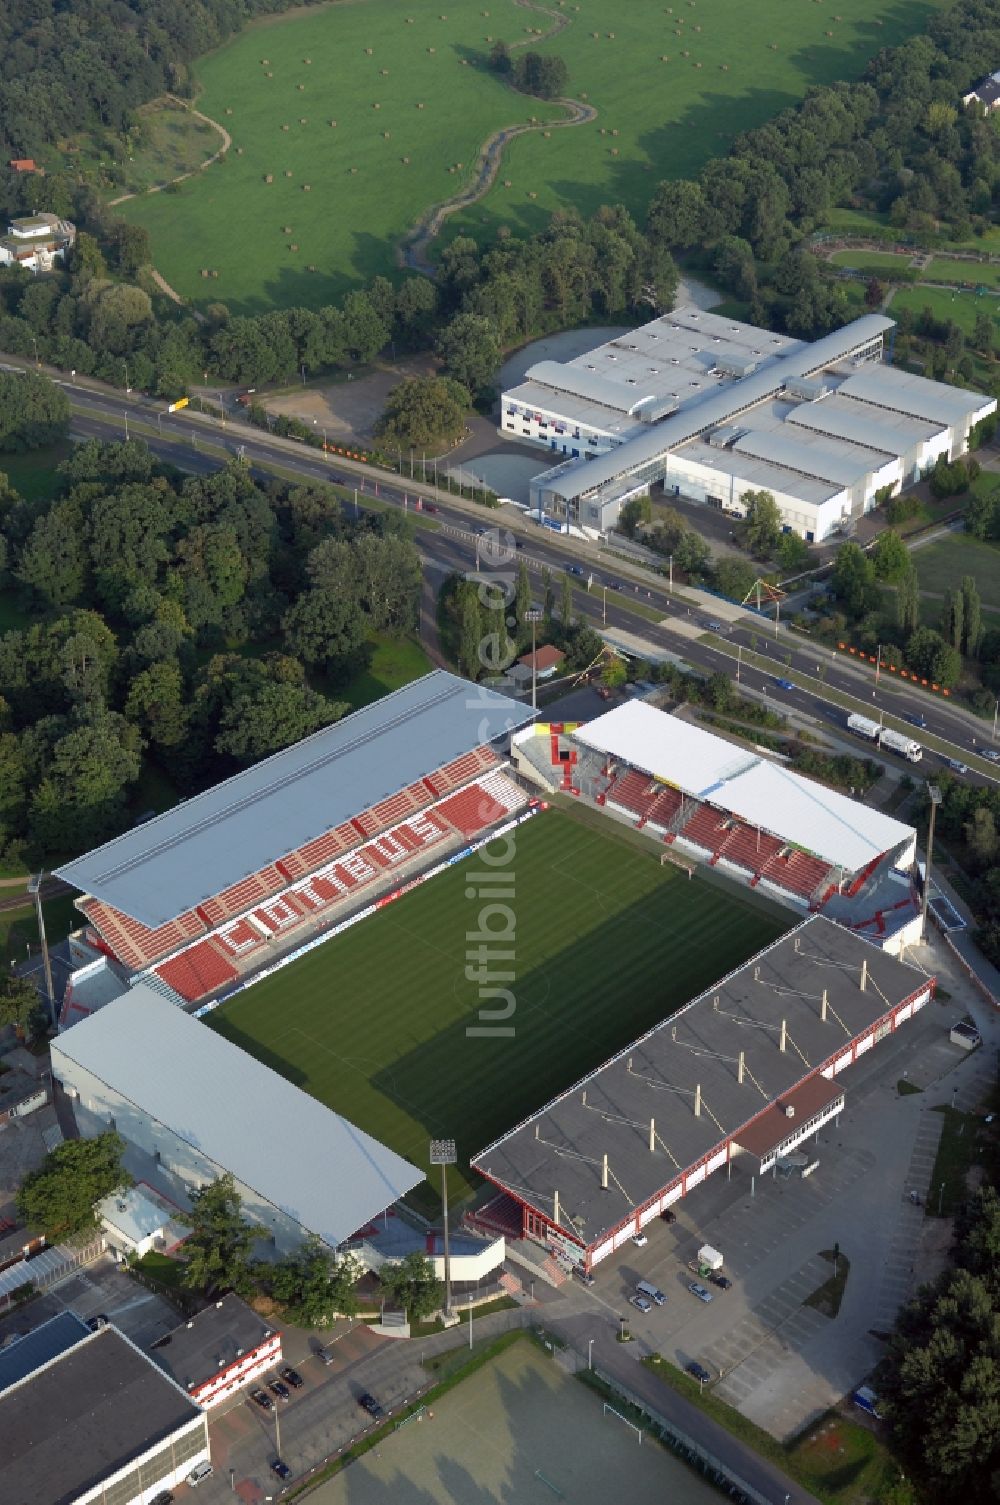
[708, 408]
[37, 242]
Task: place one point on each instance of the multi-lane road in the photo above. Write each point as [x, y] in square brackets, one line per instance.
[451, 537]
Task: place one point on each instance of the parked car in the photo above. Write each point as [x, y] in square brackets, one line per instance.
[571, 569]
[722, 1281]
[262, 1399]
[699, 1372]
[991, 755]
[668, 1215]
[640, 1240]
[784, 684]
[203, 1470]
[281, 1469]
[292, 1377]
[96, 1323]
[324, 1355]
[700, 1291]
[370, 1404]
[163, 1498]
[281, 1390]
[582, 1275]
[641, 1304]
[956, 765]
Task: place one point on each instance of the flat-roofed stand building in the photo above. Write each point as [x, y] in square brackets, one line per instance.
[219, 1351]
[744, 1074]
[196, 1106]
[709, 408]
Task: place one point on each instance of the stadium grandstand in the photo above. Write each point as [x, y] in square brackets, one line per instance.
[223, 885]
[742, 1075]
[752, 817]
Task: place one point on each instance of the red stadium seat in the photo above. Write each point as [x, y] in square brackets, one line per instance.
[196, 972]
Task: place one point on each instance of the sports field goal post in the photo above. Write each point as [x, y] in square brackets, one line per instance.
[610, 1410]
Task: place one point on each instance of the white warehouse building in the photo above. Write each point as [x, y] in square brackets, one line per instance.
[709, 408]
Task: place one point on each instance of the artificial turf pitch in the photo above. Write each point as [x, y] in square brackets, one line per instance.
[607, 943]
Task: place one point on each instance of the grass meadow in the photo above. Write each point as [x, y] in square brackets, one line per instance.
[672, 86]
[607, 943]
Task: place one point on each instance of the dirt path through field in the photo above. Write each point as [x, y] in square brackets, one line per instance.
[413, 249]
[227, 142]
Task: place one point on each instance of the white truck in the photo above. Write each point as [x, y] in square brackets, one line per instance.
[884, 736]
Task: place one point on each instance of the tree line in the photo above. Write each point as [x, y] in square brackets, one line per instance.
[189, 625]
[89, 66]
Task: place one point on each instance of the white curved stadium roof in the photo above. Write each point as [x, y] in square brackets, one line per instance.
[766, 794]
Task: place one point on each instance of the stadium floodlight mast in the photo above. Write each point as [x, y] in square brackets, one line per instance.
[534, 616]
[35, 889]
[443, 1153]
[934, 795]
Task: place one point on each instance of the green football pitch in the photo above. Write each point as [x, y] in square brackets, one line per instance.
[349, 121]
[607, 942]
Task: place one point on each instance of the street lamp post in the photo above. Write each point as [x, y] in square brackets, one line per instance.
[127, 387]
[534, 616]
[996, 708]
[590, 1353]
[604, 607]
[934, 794]
[443, 1154]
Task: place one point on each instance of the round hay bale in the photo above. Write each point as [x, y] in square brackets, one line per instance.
[409, 20]
[265, 61]
[532, 194]
[383, 73]
[583, 96]
[286, 229]
[596, 35]
[303, 120]
[385, 135]
[293, 247]
[286, 128]
[238, 150]
[354, 169]
[685, 54]
[464, 61]
[369, 51]
[697, 28]
[507, 183]
[614, 133]
[270, 75]
[614, 151]
[697, 65]
[603, 131]
[307, 188]
[451, 169]
[489, 39]
[288, 172]
[307, 61]
[547, 134]
[724, 67]
[420, 105]
[432, 50]
[310, 268]
[269, 177]
[459, 166]
[300, 87]
[405, 161]
[376, 106]
[204, 271]
[213, 273]
[828, 33]
[442, 18]
[333, 123]
[773, 46]
[611, 36]
[228, 110]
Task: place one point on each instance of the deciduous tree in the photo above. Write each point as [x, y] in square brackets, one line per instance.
[59, 1197]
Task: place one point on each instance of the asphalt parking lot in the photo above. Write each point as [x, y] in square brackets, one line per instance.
[102, 1289]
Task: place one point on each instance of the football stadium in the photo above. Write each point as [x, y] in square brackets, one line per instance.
[438, 916]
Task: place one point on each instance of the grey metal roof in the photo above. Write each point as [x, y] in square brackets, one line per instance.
[722, 405]
[902, 392]
[760, 474]
[582, 383]
[813, 460]
[309, 1162]
[84, 1417]
[199, 1349]
[560, 1149]
[48, 1341]
[199, 848]
[848, 418]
